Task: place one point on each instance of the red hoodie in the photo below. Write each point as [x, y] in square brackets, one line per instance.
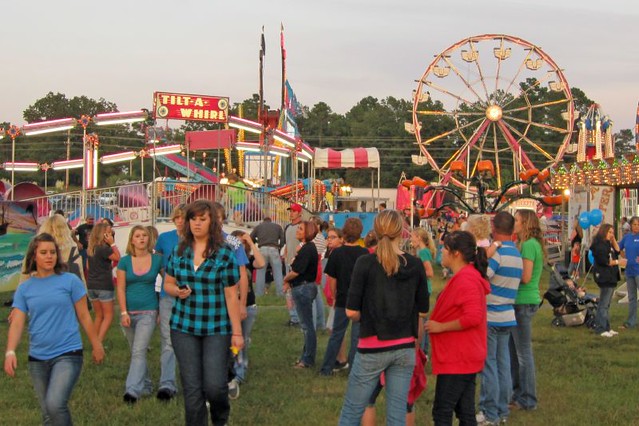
[463, 299]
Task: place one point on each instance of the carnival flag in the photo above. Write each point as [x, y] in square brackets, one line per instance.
[290, 101]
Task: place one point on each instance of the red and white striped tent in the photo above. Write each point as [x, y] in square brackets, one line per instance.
[356, 158]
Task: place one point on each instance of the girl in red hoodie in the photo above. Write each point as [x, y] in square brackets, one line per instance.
[457, 329]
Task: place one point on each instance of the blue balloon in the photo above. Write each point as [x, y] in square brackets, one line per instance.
[595, 216]
[591, 258]
[584, 220]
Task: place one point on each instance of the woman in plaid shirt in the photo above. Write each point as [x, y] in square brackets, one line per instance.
[203, 275]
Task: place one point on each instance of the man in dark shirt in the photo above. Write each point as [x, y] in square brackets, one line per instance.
[83, 231]
[339, 270]
[269, 236]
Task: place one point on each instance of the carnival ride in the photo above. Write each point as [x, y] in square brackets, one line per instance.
[492, 97]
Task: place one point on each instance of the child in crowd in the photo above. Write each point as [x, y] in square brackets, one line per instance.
[575, 257]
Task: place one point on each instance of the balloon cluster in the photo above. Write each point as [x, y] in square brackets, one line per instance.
[591, 218]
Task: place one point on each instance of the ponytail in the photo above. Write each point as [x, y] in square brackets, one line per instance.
[388, 226]
[464, 242]
[481, 261]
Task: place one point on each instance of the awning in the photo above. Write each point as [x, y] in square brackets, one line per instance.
[356, 158]
[210, 139]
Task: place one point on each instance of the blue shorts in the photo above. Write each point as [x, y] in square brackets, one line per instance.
[101, 295]
[239, 207]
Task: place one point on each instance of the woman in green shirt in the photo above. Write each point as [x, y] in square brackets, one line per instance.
[530, 242]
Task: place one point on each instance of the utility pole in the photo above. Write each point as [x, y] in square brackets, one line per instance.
[66, 182]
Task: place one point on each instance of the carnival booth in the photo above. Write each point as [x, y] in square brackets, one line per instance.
[356, 158]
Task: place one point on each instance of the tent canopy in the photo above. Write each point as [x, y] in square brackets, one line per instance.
[356, 158]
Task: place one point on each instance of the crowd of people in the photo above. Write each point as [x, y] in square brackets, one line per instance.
[196, 284]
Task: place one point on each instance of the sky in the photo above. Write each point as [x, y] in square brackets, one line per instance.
[338, 51]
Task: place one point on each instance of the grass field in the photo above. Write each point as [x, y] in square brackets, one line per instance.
[581, 379]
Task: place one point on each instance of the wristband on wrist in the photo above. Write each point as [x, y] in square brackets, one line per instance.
[10, 353]
[114, 245]
[124, 313]
[238, 335]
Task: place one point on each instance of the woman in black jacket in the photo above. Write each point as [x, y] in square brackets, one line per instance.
[605, 250]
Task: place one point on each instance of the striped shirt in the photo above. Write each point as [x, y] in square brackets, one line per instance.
[204, 312]
[320, 244]
[504, 272]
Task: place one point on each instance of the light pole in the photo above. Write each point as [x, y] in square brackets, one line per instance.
[566, 194]
[45, 168]
[14, 132]
[84, 122]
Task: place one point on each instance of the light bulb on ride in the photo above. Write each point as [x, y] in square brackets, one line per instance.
[493, 113]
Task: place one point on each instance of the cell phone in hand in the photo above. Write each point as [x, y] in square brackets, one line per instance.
[183, 287]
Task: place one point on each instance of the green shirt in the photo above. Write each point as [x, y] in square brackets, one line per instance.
[236, 193]
[528, 294]
[425, 255]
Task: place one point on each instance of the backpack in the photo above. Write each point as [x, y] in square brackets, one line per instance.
[74, 268]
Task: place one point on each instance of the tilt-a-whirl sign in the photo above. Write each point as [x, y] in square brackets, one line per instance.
[182, 106]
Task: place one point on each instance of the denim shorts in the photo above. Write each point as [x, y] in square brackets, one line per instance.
[101, 295]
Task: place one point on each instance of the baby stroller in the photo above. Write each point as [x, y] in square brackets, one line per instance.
[571, 305]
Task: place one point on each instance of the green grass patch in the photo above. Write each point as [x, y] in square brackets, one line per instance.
[581, 378]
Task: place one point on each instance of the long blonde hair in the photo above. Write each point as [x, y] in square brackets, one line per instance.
[96, 237]
[57, 227]
[530, 228]
[388, 226]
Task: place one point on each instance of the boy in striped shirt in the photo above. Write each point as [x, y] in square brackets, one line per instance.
[504, 272]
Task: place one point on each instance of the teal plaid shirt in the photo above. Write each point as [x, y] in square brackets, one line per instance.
[204, 312]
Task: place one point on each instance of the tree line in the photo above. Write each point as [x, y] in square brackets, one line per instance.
[372, 122]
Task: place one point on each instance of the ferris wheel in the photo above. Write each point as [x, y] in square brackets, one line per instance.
[491, 97]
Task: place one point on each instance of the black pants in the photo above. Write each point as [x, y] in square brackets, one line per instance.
[454, 392]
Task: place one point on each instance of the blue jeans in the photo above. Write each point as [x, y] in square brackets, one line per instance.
[303, 295]
[454, 393]
[242, 360]
[203, 362]
[340, 325]
[496, 382]
[292, 312]
[138, 382]
[272, 257]
[167, 356]
[367, 368]
[53, 381]
[522, 362]
[633, 284]
[602, 320]
[319, 322]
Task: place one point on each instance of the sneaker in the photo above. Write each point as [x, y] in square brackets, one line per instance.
[487, 423]
[165, 394]
[606, 334]
[130, 399]
[339, 366]
[234, 389]
[613, 332]
[480, 417]
[503, 420]
[293, 323]
[514, 406]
